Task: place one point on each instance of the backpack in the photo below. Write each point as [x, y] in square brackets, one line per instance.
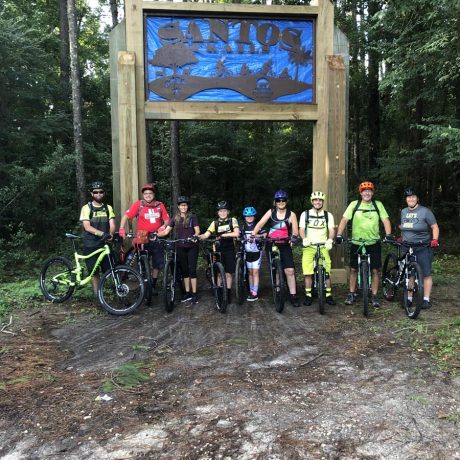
[230, 223]
[307, 218]
[358, 203]
[286, 219]
[92, 210]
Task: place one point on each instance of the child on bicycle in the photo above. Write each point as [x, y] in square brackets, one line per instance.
[225, 228]
[186, 226]
[253, 253]
[282, 225]
[98, 220]
[316, 225]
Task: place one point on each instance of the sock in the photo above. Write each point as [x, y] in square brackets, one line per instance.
[255, 289]
[409, 299]
[426, 298]
[328, 292]
[154, 282]
[308, 292]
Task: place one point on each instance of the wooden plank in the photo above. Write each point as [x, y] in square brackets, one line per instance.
[129, 184]
[117, 42]
[229, 111]
[226, 8]
[135, 43]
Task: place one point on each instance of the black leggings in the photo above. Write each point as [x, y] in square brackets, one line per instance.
[187, 258]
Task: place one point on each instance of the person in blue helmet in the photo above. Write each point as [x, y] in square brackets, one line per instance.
[282, 224]
[253, 253]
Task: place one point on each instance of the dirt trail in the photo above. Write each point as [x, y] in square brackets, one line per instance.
[250, 384]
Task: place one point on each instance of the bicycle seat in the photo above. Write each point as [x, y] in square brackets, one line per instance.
[72, 236]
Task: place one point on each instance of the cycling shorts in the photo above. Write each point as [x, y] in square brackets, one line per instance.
[374, 250]
[308, 257]
[156, 254]
[91, 262]
[424, 259]
[254, 259]
[228, 260]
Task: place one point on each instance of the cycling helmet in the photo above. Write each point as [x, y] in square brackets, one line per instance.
[183, 199]
[96, 184]
[151, 187]
[223, 205]
[317, 196]
[280, 194]
[409, 191]
[366, 186]
[249, 211]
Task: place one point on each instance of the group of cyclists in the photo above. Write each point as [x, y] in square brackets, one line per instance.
[316, 225]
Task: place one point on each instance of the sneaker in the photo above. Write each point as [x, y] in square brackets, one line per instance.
[295, 300]
[194, 299]
[426, 305]
[350, 300]
[375, 302]
[252, 297]
[187, 296]
[308, 300]
[330, 300]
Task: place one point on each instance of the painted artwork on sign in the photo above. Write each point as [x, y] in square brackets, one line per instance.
[229, 59]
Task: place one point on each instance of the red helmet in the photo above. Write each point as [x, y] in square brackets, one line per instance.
[151, 187]
[366, 186]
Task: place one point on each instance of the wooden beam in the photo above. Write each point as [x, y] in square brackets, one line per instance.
[129, 184]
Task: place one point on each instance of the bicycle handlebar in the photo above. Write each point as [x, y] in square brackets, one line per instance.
[407, 244]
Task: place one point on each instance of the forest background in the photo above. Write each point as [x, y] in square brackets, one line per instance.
[404, 123]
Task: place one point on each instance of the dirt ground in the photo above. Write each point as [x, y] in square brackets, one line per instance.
[248, 384]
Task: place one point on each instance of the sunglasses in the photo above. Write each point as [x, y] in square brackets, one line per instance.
[98, 192]
[280, 200]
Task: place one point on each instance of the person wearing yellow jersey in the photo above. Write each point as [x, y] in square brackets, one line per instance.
[316, 226]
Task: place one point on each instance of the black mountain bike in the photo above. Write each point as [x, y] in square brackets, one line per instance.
[402, 270]
[215, 273]
[241, 273]
[319, 276]
[277, 277]
[364, 270]
[171, 273]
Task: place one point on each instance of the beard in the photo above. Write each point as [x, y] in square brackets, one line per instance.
[98, 199]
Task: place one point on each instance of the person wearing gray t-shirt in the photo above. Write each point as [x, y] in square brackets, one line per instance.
[418, 225]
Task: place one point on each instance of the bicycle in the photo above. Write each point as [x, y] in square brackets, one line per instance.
[277, 277]
[364, 270]
[319, 276]
[138, 258]
[402, 270]
[241, 274]
[171, 273]
[120, 290]
[215, 273]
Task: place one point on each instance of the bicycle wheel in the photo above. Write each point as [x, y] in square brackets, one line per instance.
[169, 286]
[144, 266]
[219, 286]
[55, 279]
[365, 286]
[278, 285]
[390, 276]
[321, 287]
[122, 291]
[413, 285]
[240, 282]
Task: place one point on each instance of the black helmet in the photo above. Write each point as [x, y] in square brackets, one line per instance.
[183, 199]
[223, 205]
[409, 191]
[96, 184]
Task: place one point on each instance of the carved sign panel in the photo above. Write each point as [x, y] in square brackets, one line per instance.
[232, 59]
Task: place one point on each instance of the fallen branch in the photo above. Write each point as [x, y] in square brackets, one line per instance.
[3, 329]
[311, 360]
[209, 345]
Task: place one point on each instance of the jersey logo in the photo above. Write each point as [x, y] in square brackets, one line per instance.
[152, 215]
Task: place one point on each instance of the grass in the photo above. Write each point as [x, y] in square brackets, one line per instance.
[127, 376]
[19, 295]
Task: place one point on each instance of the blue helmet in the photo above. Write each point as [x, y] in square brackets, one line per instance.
[280, 194]
[249, 211]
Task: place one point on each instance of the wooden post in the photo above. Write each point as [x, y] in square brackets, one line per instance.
[129, 185]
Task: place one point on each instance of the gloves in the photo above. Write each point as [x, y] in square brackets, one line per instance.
[122, 232]
[294, 239]
[339, 239]
[328, 244]
[306, 242]
[105, 236]
[153, 236]
[434, 243]
[389, 238]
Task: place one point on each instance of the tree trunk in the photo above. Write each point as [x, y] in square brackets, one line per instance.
[114, 12]
[64, 46]
[148, 160]
[76, 102]
[175, 163]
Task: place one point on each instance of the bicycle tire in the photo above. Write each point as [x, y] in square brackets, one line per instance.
[278, 285]
[144, 266]
[219, 289]
[169, 286]
[121, 293]
[55, 279]
[365, 286]
[413, 310]
[390, 275]
[240, 282]
[321, 287]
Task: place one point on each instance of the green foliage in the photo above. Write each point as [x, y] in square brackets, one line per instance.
[130, 375]
[18, 295]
